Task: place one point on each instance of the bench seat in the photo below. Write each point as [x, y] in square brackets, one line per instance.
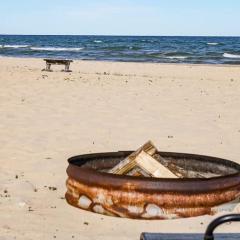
[50, 62]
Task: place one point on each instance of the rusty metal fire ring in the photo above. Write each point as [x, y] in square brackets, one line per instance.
[91, 188]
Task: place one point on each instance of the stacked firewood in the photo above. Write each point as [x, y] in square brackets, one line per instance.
[145, 162]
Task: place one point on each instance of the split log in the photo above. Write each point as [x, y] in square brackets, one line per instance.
[138, 172]
[180, 171]
[128, 163]
[152, 166]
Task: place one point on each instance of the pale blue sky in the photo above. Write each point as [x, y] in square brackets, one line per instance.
[122, 17]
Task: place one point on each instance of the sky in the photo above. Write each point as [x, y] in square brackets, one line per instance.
[122, 17]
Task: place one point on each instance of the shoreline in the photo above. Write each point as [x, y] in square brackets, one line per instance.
[130, 62]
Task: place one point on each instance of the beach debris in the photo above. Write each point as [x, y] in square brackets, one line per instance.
[44, 76]
[21, 204]
[143, 163]
[52, 188]
[30, 209]
[67, 79]
[6, 195]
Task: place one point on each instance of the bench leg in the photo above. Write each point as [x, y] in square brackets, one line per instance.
[48, 67]
[67, 66]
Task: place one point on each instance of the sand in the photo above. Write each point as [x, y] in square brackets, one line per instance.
[47, 117]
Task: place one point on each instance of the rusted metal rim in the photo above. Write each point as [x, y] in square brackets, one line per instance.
[90, 176]
[91, 188]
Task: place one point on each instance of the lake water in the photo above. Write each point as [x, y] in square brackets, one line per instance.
[206, 50]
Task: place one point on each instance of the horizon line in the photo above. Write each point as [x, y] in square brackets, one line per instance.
[117, 35]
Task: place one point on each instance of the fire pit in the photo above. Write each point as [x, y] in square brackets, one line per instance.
[91, 188]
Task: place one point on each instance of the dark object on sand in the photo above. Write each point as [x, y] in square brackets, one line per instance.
[90, 187]
[218, 221]
[65, 62]
[207, 236]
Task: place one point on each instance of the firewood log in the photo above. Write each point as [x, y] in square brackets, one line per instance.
[128, 163]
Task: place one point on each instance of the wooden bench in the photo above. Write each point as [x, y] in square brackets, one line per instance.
[65, 62]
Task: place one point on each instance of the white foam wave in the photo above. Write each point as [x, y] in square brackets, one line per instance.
[176, 57]
[228, 55]
[97, 41]
[15, 46]
[212, 43]
[56, 49]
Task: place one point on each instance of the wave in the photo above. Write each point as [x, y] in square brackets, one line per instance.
[176, 57]
[56, 49]
[228, 55]
[134, 48]
[148, 41]
[97, 41]
[15, 46]
[212, 43]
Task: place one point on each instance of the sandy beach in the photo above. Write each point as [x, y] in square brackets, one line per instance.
[47, 117]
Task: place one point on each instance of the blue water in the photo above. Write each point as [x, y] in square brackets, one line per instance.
[206, 50]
